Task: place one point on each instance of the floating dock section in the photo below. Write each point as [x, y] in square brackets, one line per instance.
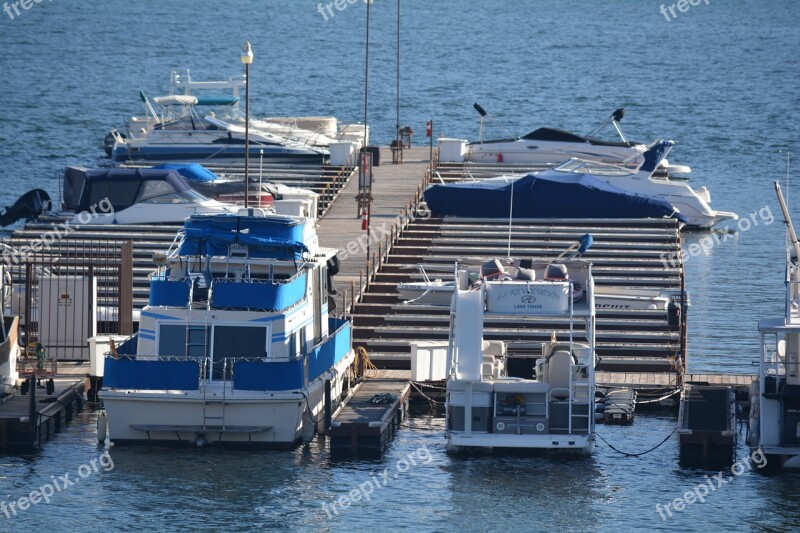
[372, 415]
[707, 423]
[29, 420]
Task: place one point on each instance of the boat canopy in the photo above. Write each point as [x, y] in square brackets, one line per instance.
[549, 194]
[554, 134]
[216, 100]
[275, 237]
[176, 99]
[124, 187]
[557, 135]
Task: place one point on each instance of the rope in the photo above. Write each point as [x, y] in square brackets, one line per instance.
[673, 393]
[370, 370]
[430, 400]
[626, 454]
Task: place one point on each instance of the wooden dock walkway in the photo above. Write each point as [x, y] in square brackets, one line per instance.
[371, 417]
[393, 189]
[20, 430]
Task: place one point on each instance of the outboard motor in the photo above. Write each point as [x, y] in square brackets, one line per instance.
[29, 206]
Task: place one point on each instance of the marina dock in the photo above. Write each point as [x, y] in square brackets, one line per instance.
[643, 350]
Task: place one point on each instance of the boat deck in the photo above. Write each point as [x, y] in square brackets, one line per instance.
[20, 430]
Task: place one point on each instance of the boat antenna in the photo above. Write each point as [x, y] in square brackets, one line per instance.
[615, 119]
[788, 158]
[483, 113]
[788, 220]
[510, 217]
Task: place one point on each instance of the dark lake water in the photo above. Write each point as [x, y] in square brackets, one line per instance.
[721, 79]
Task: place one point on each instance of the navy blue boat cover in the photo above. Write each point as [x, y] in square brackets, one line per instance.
[269, 237]
[548, 194]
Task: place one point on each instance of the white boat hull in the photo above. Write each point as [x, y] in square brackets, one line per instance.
[548, 153]
[251, 418]
[578, 443]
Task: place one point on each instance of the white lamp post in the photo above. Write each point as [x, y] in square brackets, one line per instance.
[247, 58]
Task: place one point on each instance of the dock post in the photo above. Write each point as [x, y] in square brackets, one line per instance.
[328, 410]
[33, 421]
[125, 300]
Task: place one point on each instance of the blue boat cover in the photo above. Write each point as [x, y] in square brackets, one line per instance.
[549, 194]
[273, 237]
[191, 171]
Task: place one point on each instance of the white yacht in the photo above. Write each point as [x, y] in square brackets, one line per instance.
[236, 346]
[693, 204]
[775, 394]
[549, 404]
[133, 196]
[552, 146]
[642, 181]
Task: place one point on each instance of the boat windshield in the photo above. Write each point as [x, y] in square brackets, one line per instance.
[162, 192]
[582, 166]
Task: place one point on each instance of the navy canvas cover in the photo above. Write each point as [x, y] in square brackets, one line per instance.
[547, 194]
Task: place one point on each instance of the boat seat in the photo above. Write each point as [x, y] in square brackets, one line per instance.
[495, 348]
[487, 370]
[559, 367]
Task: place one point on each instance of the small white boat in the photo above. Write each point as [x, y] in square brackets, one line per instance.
[440, 293]
[552, 405]
[236, 346]
[552, 146]
[774, 429]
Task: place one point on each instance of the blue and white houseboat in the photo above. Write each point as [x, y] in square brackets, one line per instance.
[236, 345]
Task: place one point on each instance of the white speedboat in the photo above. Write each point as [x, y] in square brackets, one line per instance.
[642, 181]
[133, 196]
[236, 346]
[552, 146]
[551, 406]
[775, 394]
[185, 126]
[693, 204]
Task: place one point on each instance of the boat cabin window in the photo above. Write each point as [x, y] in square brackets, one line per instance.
[240, 341]
[172, 341]
[161, 192]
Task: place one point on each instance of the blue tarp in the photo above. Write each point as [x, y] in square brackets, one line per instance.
[268, 376]
[266, 237]
[339, 344]
[191, 171]
[549, 194]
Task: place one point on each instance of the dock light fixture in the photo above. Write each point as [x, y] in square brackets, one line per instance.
[247, 58]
